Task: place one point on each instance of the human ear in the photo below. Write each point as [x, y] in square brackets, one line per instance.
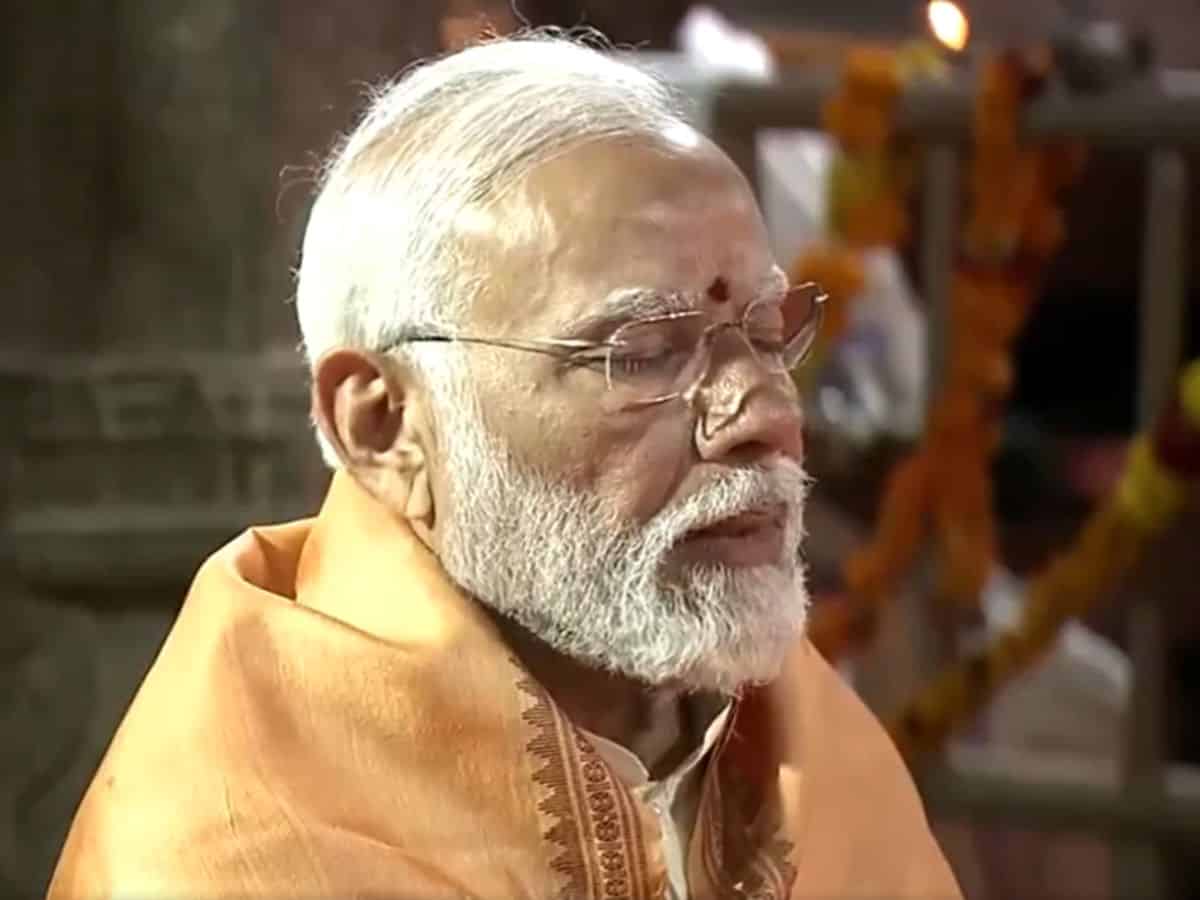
[372, 412]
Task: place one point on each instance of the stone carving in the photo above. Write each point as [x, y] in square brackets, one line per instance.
[167, 456]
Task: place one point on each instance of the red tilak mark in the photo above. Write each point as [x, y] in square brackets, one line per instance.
[718, 291]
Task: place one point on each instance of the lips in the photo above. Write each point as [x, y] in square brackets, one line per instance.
[751, 538]
[742, 524]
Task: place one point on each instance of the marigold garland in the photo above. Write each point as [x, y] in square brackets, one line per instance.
[1161, 475]
[943, 491]
[869, 181]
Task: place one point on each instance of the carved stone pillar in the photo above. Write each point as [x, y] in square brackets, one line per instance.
[154, 403]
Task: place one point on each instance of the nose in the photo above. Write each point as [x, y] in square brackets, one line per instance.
[746, 413]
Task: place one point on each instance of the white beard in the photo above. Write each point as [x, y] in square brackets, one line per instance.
[565, 567]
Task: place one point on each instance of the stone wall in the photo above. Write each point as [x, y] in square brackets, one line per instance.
[153, 401]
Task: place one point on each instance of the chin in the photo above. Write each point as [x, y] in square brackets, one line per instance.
[782, 575]
[730, 681]
[750, 665]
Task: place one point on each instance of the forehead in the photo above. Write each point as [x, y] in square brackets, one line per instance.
[673, 217]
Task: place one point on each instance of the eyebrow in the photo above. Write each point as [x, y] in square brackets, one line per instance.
[631, 303]
[628, 304]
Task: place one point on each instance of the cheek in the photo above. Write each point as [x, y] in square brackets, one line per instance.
[639, 469]
[636, 459]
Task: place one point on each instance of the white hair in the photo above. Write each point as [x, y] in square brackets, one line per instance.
[382, 254]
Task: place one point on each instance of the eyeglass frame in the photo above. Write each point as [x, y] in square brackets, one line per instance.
[567, 348]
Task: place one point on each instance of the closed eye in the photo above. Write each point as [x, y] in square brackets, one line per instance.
[590, 357]
[634, 363]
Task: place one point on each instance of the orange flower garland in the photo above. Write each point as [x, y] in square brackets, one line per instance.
[1162, 473]
[868, 183]
[944, 491]
[839, 271]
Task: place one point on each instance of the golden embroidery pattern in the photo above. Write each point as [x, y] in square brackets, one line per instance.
[590, 816]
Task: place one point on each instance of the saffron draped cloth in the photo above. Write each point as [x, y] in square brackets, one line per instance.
[331, 717]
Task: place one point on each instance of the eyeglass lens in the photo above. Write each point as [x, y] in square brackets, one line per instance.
[662, 357]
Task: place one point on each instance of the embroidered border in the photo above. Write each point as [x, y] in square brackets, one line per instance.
[742, 851]
[741, 863]
[590, 817]
[775, 858]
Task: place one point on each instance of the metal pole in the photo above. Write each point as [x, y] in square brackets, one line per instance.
[1163, 110]
[939, 219]
[1164, 281]
[1163, 304]
[938, 244]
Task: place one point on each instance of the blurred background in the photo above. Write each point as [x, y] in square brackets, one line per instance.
[153, 403]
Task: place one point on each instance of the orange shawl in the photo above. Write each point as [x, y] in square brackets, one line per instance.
[330, 717]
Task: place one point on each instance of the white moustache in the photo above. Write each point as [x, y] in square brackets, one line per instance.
[736, 492]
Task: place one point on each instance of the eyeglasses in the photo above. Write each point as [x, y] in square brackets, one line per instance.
[661, 358]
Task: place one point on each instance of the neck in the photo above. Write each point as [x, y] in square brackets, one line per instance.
[651, 722]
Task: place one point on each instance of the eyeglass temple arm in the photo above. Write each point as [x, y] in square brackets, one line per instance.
[550, 346]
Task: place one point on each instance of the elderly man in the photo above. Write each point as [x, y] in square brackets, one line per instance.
[544, 638]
